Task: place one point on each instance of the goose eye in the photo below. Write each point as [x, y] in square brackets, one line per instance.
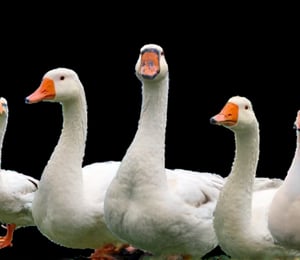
[62, 77]
[162, 53]
[246, 107]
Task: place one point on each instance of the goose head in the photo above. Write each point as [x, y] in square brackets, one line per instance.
[58, 85]
[3, 121]
[151, 64]
[236, 114]
[3, 107]
[297, 121]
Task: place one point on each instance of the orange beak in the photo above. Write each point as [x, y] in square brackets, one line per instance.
[45, 91]
[149, 64]
[228, 115]
[1, 108]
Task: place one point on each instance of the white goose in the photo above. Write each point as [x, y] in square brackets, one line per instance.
[141, 205]
[68, 207]
[16, 191]
[240, 224]
[284, 214]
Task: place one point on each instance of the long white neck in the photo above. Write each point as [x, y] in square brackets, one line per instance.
[233, 211]
[63, 173]
[293, 175]
[147, 151]
[3, 125]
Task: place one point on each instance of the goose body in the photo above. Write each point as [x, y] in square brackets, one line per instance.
[68, 207]
[241, 213]
[284, 214]
[16, 191]
[141, 205]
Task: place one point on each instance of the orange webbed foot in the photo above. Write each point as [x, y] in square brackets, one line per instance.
[6, 241]
[111, 252]
[104, 253]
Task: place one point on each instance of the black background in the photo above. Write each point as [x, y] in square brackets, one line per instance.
[213, 52]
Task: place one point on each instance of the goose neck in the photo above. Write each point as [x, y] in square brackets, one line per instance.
[233, 210]
[3, 125]
[65, 163]
[147, 150]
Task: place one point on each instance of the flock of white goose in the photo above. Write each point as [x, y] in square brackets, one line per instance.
[139, 204]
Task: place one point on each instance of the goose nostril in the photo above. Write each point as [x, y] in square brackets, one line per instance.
[212, 121]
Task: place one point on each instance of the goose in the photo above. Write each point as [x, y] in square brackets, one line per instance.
[68, 206]
[284, 214]
[141, 205]
[240, 217]
[16, 191]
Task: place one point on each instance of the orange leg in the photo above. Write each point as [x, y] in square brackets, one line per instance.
[6, 240]
[107, 252]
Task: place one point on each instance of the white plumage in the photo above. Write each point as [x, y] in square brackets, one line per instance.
[68, 207]
[141, 205]
[16, 191]
[284, 215]
[241, 213]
